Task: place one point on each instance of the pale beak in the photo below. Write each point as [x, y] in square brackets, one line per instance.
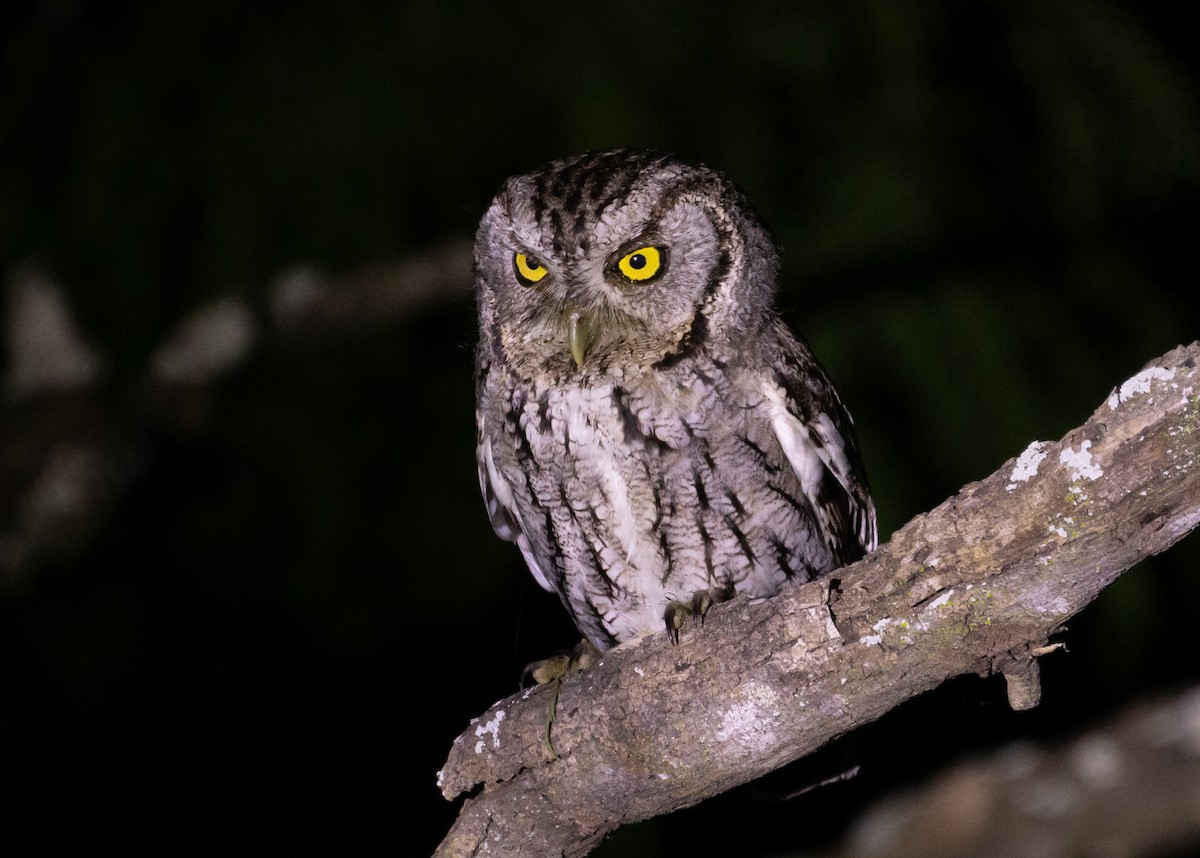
[580, 337]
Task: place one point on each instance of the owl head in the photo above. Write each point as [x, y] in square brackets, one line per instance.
[620, 261]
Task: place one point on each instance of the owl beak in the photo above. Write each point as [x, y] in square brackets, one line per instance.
[581, 335]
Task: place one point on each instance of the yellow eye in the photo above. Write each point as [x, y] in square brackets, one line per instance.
[529, 270]
[643, 264]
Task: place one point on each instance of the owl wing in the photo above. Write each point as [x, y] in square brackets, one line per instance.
[506, 519]
[817, 436]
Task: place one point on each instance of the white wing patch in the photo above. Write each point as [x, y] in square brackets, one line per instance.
[498, 494]
[502, 511]
[809, 461]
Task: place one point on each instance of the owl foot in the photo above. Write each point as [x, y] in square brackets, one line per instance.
[702, 600]
[555, 670]
[560, 666]
[546, 670]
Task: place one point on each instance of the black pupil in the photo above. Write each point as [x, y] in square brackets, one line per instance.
[532, 264]
[637, 261]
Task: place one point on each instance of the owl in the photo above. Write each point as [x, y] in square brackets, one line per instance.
[650, 433]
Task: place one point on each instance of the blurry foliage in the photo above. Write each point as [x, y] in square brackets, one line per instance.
[986, 212]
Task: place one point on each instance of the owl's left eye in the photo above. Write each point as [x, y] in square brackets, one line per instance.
[529, 270]
[643, 264]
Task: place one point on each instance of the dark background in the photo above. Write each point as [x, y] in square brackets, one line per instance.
[988, 213]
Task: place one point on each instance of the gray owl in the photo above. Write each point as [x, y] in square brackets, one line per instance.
[650, 434]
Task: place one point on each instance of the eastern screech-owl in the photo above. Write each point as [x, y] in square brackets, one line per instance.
[651, 434]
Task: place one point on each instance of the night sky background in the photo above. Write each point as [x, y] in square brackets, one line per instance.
[988, 215]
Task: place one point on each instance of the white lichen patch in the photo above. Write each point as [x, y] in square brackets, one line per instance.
[1045, 600]
[943, 599]
[1027, 465]
[491, 727]
[1070, 526]
[1139, 384]
[1079, 462]
[747, 723]
[1177, 527]
[877, 638]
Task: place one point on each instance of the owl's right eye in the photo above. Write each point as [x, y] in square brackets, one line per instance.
[529, 270]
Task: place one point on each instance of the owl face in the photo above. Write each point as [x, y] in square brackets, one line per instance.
[617, 261]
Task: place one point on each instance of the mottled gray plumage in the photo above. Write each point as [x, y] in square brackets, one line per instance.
[649, 429]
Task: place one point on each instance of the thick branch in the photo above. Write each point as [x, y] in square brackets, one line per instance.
[1127, 787]
[972, 587]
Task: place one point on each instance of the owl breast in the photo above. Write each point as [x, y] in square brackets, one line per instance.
[634, 496]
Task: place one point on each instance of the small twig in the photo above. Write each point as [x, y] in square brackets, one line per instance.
[851, 772]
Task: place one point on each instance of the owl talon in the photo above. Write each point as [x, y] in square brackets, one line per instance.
[700, 604]
[674, 616]
[583, 656]
[560, 666]
[554, 670]
[546, 669]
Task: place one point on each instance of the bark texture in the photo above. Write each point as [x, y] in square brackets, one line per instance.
[977, 585]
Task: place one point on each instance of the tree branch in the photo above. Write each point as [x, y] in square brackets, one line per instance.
[974, 586]
[1127, 787]
[70, 447]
